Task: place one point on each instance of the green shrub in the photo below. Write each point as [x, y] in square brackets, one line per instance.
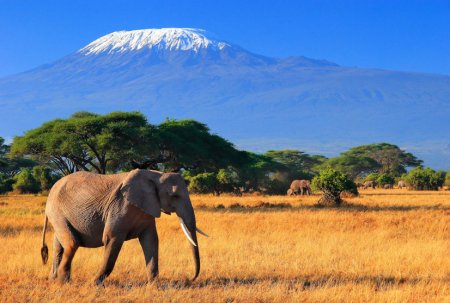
[372, 177]
[44, 177]
[333, 183]
[425, 179]
[5, 184]
[228, 181]
[25, 182]
[203, 183]
[447, 179]
[384, 179]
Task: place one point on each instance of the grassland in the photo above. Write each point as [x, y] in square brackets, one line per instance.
[384, 246]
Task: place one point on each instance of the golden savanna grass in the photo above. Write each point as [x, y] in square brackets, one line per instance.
[384, 246]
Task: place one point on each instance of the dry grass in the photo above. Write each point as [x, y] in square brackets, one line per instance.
[384, 246]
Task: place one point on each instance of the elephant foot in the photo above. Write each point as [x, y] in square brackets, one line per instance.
[63, 279]
[99, 280]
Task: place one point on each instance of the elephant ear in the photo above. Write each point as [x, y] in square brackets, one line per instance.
[140, 191]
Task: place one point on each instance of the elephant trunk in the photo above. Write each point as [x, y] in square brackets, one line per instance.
[188, 225]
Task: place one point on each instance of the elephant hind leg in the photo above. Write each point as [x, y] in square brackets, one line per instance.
[58, 253]
[66, 262]
[67, 238]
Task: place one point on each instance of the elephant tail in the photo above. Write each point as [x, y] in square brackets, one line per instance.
[44, 249]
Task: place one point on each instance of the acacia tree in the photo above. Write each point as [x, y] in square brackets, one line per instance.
[10, 165]
[298, 163]
[189, 144]
[391, 159]
[353, 166]
[88, 142]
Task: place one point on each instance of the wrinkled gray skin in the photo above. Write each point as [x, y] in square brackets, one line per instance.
[300, 187]
[401, 184]
[371, 184]
[92, 210]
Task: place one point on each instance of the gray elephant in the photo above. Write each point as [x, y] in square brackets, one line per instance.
[371, 184]
[92, 210]
[300, 187]
[388, 186]
[401, 184]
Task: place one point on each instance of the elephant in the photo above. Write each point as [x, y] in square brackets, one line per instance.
[388, 186]
[371, 184]
[92, 210]
[290, 192]
[401, 184]
[301, 187]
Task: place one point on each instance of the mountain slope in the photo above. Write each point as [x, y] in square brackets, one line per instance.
[256, 101]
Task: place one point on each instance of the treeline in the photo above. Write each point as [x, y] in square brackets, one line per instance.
[121, 141]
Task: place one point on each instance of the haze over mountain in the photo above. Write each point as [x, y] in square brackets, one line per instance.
[257, 102]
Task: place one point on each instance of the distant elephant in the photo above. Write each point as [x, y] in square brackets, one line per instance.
[301, 187]
[92, 210]
[401, 184]
[368, 184]
[388, 186]
[290, 192]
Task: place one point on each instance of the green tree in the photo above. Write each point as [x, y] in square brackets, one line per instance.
[203, 183]
[9, 165]
[447, 179]
[88, 142]
[384, 179]
[25, 183]
[390, 157]
[332, 183]
[228, 180]
[299, 164]
[190, 145]
[258, 171]
[425, 179]
[44, 177]
[372, 177]
[5, 184]
[353, 166]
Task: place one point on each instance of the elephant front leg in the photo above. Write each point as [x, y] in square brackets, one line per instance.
[149, 243]
[112, 249]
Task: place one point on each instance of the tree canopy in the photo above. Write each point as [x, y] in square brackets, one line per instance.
[88, 141]
[190, 145]
[353, 166]
[391, 159]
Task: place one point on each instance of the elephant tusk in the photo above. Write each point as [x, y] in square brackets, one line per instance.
[201, 232]
[186, 232]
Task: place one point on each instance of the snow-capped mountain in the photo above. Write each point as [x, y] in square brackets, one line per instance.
[256, 101]
[172, 39]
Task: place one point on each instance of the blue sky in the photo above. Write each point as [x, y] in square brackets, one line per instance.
[400, 35]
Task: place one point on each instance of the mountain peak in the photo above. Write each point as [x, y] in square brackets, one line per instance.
[179, 39]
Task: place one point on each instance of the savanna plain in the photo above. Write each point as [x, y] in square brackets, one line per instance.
[383, 246]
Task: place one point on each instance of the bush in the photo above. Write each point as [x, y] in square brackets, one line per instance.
[447, 179]
[333, 183]
[5, 184]
[372, 177]
[425, 179]
[203, 183]
[44, 177]
[228, 181]
[25, 182]
[384, 179]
